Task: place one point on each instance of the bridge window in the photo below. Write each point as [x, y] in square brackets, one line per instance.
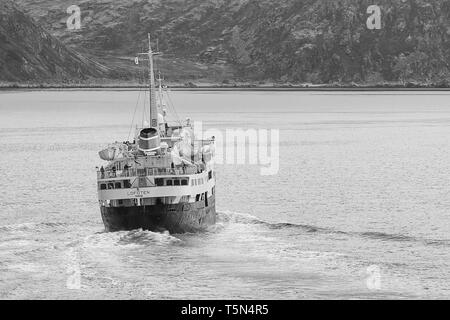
[184, 182]
[103, 186]
[210, 175]
[159, 182]
[197, 197]
[110, 185]
[176, 182]
[169, 183]
[126, 184]
[118, 185]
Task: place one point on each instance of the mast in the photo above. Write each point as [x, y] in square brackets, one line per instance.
[152, 96]
[151, 84]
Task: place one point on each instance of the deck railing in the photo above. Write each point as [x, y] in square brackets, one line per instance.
[111, 174]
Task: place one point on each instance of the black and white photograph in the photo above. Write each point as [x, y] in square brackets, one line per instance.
[224, 150]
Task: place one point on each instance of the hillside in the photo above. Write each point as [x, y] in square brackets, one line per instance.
[295, 41]
[29, 54]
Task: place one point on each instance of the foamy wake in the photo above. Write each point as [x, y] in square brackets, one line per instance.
[229, 217]
[226, 216]
[137, 237]
[244, 218]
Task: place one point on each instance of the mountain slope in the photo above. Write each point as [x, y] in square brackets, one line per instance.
[30, 54]
[317, 41]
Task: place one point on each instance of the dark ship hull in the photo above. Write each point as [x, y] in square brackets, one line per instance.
[175, 218]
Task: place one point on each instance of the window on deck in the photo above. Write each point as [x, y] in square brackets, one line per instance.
[126, 184]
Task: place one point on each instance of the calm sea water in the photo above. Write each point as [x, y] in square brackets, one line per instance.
[364, 185]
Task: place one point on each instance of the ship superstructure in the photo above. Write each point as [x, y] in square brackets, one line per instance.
[162, 180]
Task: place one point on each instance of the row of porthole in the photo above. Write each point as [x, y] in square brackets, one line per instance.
[115, 185]
[111, 185]
[159, 182]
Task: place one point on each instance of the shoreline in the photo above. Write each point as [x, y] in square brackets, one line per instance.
[222, 88]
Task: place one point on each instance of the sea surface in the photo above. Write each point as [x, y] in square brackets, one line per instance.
[360, 207]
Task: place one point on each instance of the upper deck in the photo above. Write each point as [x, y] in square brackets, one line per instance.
[111, 174]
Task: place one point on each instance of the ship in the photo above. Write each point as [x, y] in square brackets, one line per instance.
[163, 180]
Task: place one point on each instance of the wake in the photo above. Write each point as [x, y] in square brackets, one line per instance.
[229, 217]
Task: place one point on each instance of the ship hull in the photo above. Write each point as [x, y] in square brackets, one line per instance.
[175, 218]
